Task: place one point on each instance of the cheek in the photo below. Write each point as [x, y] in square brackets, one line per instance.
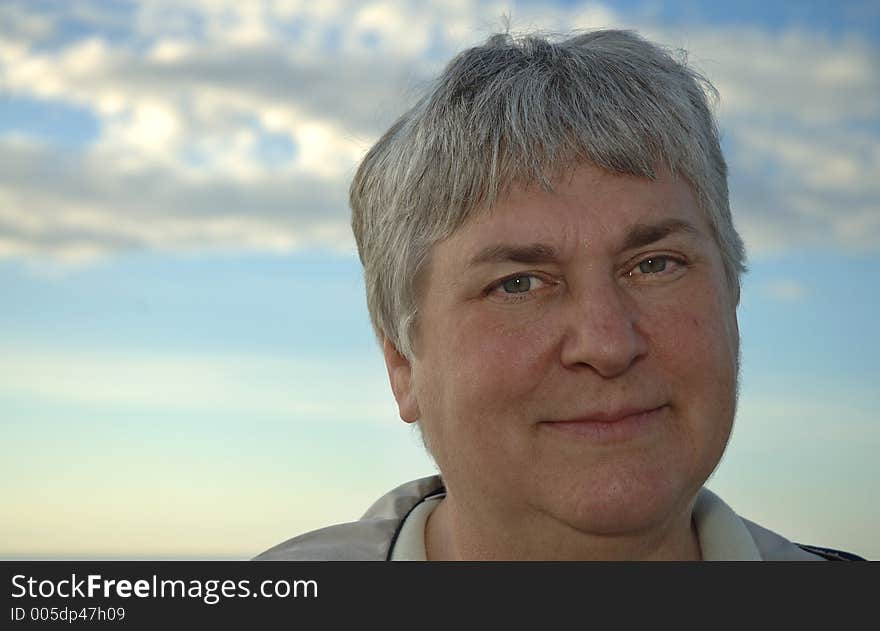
[483, 379]
[694, 326]
[696, 345]
[504, 360]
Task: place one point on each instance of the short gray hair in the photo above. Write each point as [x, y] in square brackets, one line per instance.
[520, 111]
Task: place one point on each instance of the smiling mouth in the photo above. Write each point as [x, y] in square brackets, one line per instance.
[618, 426]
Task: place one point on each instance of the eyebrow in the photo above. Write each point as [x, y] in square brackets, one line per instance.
[529, 254]
[639, 236]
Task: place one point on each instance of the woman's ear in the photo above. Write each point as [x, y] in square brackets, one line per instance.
[400, 375]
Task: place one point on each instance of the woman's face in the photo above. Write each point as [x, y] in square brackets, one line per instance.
[576, 354]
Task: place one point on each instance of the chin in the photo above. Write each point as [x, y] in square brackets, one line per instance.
[625, 504]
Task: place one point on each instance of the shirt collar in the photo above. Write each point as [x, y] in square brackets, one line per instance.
[722, 534]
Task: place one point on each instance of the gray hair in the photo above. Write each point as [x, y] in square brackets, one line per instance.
[520, 111]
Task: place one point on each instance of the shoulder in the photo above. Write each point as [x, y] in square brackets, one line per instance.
[363, 540]
[368, 539]
[830, 554]
[775, 547]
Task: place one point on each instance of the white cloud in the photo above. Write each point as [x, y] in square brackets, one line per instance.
[798, 75]
[97, 206]
[806, 185]
[191, 98]
[21, 25]
[828, 159]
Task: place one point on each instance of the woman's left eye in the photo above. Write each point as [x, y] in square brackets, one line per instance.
[656, 265]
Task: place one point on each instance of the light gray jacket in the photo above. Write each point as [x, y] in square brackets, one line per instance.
[372, 537]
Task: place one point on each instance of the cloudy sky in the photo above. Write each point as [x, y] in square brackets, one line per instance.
[186, 365]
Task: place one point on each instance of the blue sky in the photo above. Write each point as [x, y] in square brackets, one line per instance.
[186, 363]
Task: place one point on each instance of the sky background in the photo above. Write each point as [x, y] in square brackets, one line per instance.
[186, 364]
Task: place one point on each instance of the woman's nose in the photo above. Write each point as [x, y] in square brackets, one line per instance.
[601, 330]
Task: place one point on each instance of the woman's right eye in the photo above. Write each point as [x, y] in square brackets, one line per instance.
[521, 284]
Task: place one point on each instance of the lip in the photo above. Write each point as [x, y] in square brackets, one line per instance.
[610, 427]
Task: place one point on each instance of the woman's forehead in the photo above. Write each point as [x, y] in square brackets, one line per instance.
[588, 208]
